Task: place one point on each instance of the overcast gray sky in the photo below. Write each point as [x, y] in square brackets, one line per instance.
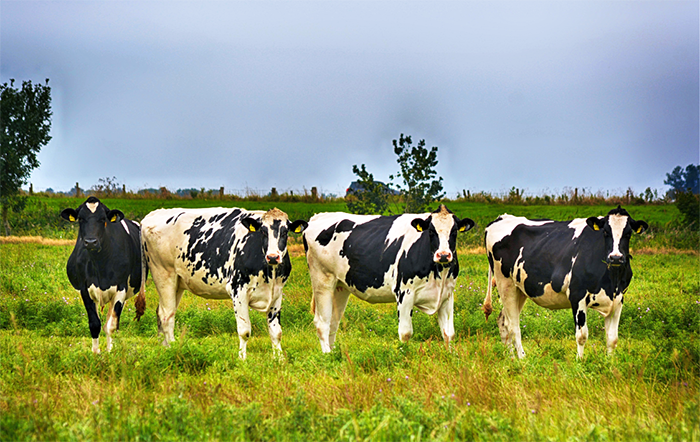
[253, 94]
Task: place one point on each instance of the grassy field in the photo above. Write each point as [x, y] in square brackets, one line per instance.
[371, 387]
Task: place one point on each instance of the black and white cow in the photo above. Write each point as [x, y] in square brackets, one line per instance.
[105, 266]
[220, 253]
[407, 259]
[578, 264]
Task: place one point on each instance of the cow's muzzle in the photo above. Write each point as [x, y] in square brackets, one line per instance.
[616, 260]
[92, 244]
[443, 258]
[273, 259]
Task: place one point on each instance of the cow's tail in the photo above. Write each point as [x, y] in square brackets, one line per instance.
[140, 302]
[487, 307]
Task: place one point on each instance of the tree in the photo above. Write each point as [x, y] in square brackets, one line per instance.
[684, 180]
[372, 199]
[25, 120]
[419, 188]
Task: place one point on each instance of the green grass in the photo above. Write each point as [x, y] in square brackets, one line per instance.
[370, 387]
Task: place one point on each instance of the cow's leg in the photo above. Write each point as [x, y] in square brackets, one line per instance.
[446, 319]
[242, 311]
[580, 310]
[115, 311]
[612, 321]
[169, 295]
[275, 328]
[340, 301]
[93, 319]
[404, 310]
[323, 287]
[513, 300]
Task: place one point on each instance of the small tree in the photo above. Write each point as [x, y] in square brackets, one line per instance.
[25, 123]
[684, 180]
[419, 188]
[372, 199]
[107, 187]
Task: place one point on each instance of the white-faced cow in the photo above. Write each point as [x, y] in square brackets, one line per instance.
[220, 253]
[105, 266]
[579, 264]
[407, 259]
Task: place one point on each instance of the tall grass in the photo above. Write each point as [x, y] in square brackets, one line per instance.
[370, 387]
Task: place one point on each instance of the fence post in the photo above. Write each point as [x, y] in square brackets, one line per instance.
[123, 189]
[221, 192]
[77, 190]
[314, 193]
[273, 192]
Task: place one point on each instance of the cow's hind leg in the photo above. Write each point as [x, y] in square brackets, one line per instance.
[404, 303]
[93, 319]
[513, 300]
[323, 291]
[242, 310]
[340, 301]
[169, 296]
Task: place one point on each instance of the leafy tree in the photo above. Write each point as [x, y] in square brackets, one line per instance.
[25, 120]
[419, 188]
[688, 203]
[373, 197]
[684, 180]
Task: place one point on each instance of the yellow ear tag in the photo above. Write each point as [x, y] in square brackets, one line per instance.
[251, 228]
[298, 229]
[595, 227]
[639, 230]
[461, 229]
[72, 218]
[114, 218]
[419, 228]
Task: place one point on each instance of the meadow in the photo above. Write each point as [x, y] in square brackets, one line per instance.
[372, 386]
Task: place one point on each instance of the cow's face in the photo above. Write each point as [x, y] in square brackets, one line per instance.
[442, 227]
[617, 228]
[273, 229]
[92, 217]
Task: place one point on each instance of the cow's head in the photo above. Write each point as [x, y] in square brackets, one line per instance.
[442, 227]
[273, 228]
[92, 217]
[617, 228]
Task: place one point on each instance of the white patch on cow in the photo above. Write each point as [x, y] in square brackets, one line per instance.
[578, 224]
[504, 227]
[443, 222]
[126, 227]
[617, 225]
[92, 207]
[102, 297]
[601, 303]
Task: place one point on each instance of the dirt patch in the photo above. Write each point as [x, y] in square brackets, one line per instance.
[36, 240]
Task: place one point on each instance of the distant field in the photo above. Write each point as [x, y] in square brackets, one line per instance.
[371, 387]
[41, 217]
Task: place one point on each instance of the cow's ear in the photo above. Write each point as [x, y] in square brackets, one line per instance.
[638, 226]
[465, 224]
[298, 226]
[69, 215]
[114, 216]
[420, 224]
[252, 224]
[595, 223]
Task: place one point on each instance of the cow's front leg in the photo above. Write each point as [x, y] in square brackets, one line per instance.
[275, 328]
[93, 319]
[404, 310]
[115, 311]
[580, 311]
[241, 309]
[612, 321]
[446, 319]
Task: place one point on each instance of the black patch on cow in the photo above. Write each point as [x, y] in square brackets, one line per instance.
[118, 306]
[368, 254]
[324, 238]
[581, 318]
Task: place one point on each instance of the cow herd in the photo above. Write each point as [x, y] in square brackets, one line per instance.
[409, 260]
